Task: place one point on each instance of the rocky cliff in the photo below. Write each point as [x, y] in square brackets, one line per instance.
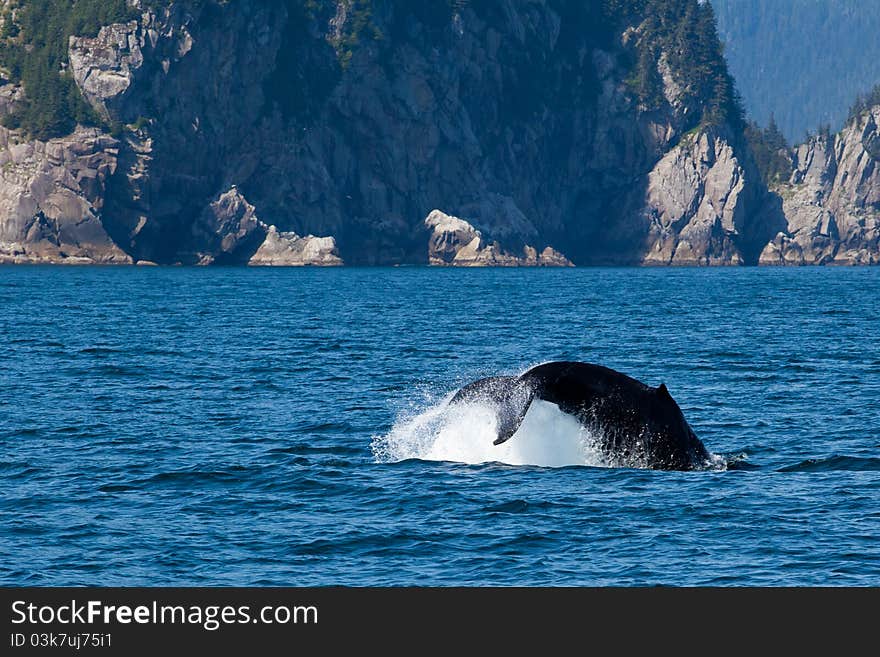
[52, 195]
[553, 131]
[831, 203]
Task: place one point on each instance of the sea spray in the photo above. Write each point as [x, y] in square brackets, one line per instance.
[464, 433]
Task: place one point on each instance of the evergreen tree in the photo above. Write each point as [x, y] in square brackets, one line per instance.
[863, 103]
[34, 52]
[647, 83]
[685, 30]
[770, 150]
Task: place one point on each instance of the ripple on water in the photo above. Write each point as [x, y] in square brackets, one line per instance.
[216, 426]
[835, 463]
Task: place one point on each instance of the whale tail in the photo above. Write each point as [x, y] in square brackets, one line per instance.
[512, 410]
[509, 395]
[633, 423]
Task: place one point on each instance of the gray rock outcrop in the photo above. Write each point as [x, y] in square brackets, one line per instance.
[696, 204]
[103, 66]
[229, 230]
[832, 201]
[51, 196]
[280, 249]
[456, 242]
[233, 234]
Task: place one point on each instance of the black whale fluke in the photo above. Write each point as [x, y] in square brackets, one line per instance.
[635, 425]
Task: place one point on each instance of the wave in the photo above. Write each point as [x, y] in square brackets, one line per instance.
[836, 463]
[518, 506]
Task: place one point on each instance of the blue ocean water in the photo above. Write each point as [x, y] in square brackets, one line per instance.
[176, 426]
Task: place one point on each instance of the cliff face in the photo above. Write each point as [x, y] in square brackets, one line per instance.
[832, 201]
[353, 121]
[52, 194]
[700, 195]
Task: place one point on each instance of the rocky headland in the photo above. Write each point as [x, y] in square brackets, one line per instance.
[512, 133]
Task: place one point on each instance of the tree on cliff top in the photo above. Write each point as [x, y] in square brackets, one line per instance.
[685, 32]
[770, 150]
[803, 60]
[33, 49]
[863, 103]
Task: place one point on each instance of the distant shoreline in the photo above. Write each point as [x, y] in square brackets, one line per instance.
[652, 266]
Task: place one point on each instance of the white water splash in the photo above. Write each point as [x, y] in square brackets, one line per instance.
[464, 433]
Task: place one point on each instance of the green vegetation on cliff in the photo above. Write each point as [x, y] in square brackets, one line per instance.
[684, 32]
[864, 102]
[33, 50]
[774, 155]
[771, 151]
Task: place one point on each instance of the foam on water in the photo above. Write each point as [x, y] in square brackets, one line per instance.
[464, 433]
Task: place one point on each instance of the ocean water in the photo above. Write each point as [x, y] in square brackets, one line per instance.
[177, 426]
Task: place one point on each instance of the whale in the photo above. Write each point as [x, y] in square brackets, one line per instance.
[632, 424]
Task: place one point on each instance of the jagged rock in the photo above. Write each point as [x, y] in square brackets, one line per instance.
[372, 148]
[102, 66]
[284, 249]
[782, 251]
[106, 66]
[10, 94]
[454, 241]
[51, 198]
[695, 204]
[832, 201]
[235, 235]
[550, 257]
[449, 235]
[372, 136]
[672, 90]
[229, 230]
